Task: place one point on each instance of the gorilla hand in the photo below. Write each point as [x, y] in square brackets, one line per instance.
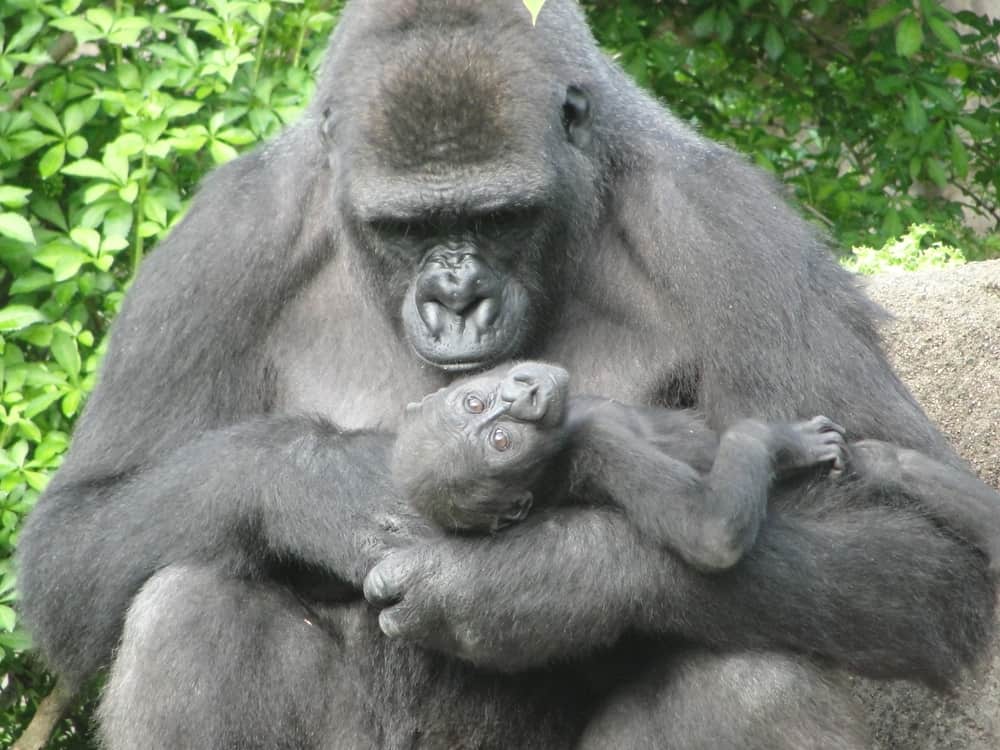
[519, 599]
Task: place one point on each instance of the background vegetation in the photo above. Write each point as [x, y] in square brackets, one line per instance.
[878, 115]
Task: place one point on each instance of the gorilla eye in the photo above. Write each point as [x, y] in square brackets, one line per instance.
[500, 439]
[392, 228]
[474, 404]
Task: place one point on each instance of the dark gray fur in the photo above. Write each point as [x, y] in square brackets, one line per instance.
[209, 514]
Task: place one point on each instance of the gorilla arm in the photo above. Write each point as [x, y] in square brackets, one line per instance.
[874, 590]
[169, 461]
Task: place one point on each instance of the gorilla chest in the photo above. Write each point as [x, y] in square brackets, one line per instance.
[352, 370]
[336, 354]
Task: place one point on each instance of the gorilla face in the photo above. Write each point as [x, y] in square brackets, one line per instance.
[465, 179]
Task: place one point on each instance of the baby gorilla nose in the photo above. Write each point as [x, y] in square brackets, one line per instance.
[536, 393]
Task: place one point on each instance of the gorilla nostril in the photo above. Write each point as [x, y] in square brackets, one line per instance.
[430, 313]
[484, 312]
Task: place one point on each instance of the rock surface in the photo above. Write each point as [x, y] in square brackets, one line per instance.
[945, 343]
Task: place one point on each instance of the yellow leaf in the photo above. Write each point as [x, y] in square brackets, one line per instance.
[534, 8]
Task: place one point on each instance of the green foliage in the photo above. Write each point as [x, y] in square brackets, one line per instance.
[911, 252]
[879, 115]
[109, 116]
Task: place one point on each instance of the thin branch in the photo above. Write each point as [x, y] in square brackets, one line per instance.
[49, 713]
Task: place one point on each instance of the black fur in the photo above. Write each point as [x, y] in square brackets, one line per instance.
[206, 479]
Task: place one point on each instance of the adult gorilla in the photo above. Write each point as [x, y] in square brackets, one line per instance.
[466, 189]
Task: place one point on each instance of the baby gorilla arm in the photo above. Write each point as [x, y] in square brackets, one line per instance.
[709, 519]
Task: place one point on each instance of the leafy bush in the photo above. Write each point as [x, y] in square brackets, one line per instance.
[879, 115]
[911, 252]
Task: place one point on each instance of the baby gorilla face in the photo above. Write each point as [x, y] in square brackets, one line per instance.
[468, 455]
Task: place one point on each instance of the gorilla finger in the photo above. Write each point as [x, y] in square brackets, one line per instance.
[825, 424]
[401, 621]
[386, 583]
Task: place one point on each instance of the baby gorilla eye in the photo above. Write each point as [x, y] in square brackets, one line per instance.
[500, 439]
[474, 404]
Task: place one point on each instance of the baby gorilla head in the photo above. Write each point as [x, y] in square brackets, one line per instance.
[469, 455]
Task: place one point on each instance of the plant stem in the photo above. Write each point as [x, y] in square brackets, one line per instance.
[139, 200]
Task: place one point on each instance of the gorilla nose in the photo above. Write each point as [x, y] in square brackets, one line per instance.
[460, 283]
[535, 393]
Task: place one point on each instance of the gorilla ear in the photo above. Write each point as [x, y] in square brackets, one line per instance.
[576, 116]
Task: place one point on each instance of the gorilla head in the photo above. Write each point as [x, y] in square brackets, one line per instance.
[464, 172]
[468, 457]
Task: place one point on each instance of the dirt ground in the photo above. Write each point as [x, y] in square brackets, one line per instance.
[945, 342]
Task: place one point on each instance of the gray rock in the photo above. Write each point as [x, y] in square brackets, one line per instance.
[945, 343]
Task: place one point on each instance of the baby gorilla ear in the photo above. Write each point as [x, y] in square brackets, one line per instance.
[517, 511]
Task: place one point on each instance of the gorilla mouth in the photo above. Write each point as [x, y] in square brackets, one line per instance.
[456, 366]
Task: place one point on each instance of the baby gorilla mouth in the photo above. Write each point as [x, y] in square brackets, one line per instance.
[536, 393]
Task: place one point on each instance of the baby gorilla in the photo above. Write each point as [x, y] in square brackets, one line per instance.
[474, 455]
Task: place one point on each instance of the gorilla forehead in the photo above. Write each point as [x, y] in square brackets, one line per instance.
[452, 103]
[447, 99]
[450, 114]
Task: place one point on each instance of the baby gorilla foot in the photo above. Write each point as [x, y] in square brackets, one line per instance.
[819, 441]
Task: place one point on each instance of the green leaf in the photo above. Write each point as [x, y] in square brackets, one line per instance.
[128, 144]
[101, 18]
[31, 24]
[13, 196]
[63, 259]
[534, 8]
[71, 404]
[74, 118]
[221, 152]
[128, 76]
[182, 108]
[83, 31]
[17, 228]
[31, 281]
[936, 171]
[883, 15]
[89, 239]
[976, 128]
[66, 353]
[704, 25]
[43, 115]
[945, 34]
[16, 317]
[117, 164]
[129, 192]
[909, 36]
[774, 44]
[8, 619]
[52, 161]
[914, 116]
[89, 168]
[76, 146]
[48, 209]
